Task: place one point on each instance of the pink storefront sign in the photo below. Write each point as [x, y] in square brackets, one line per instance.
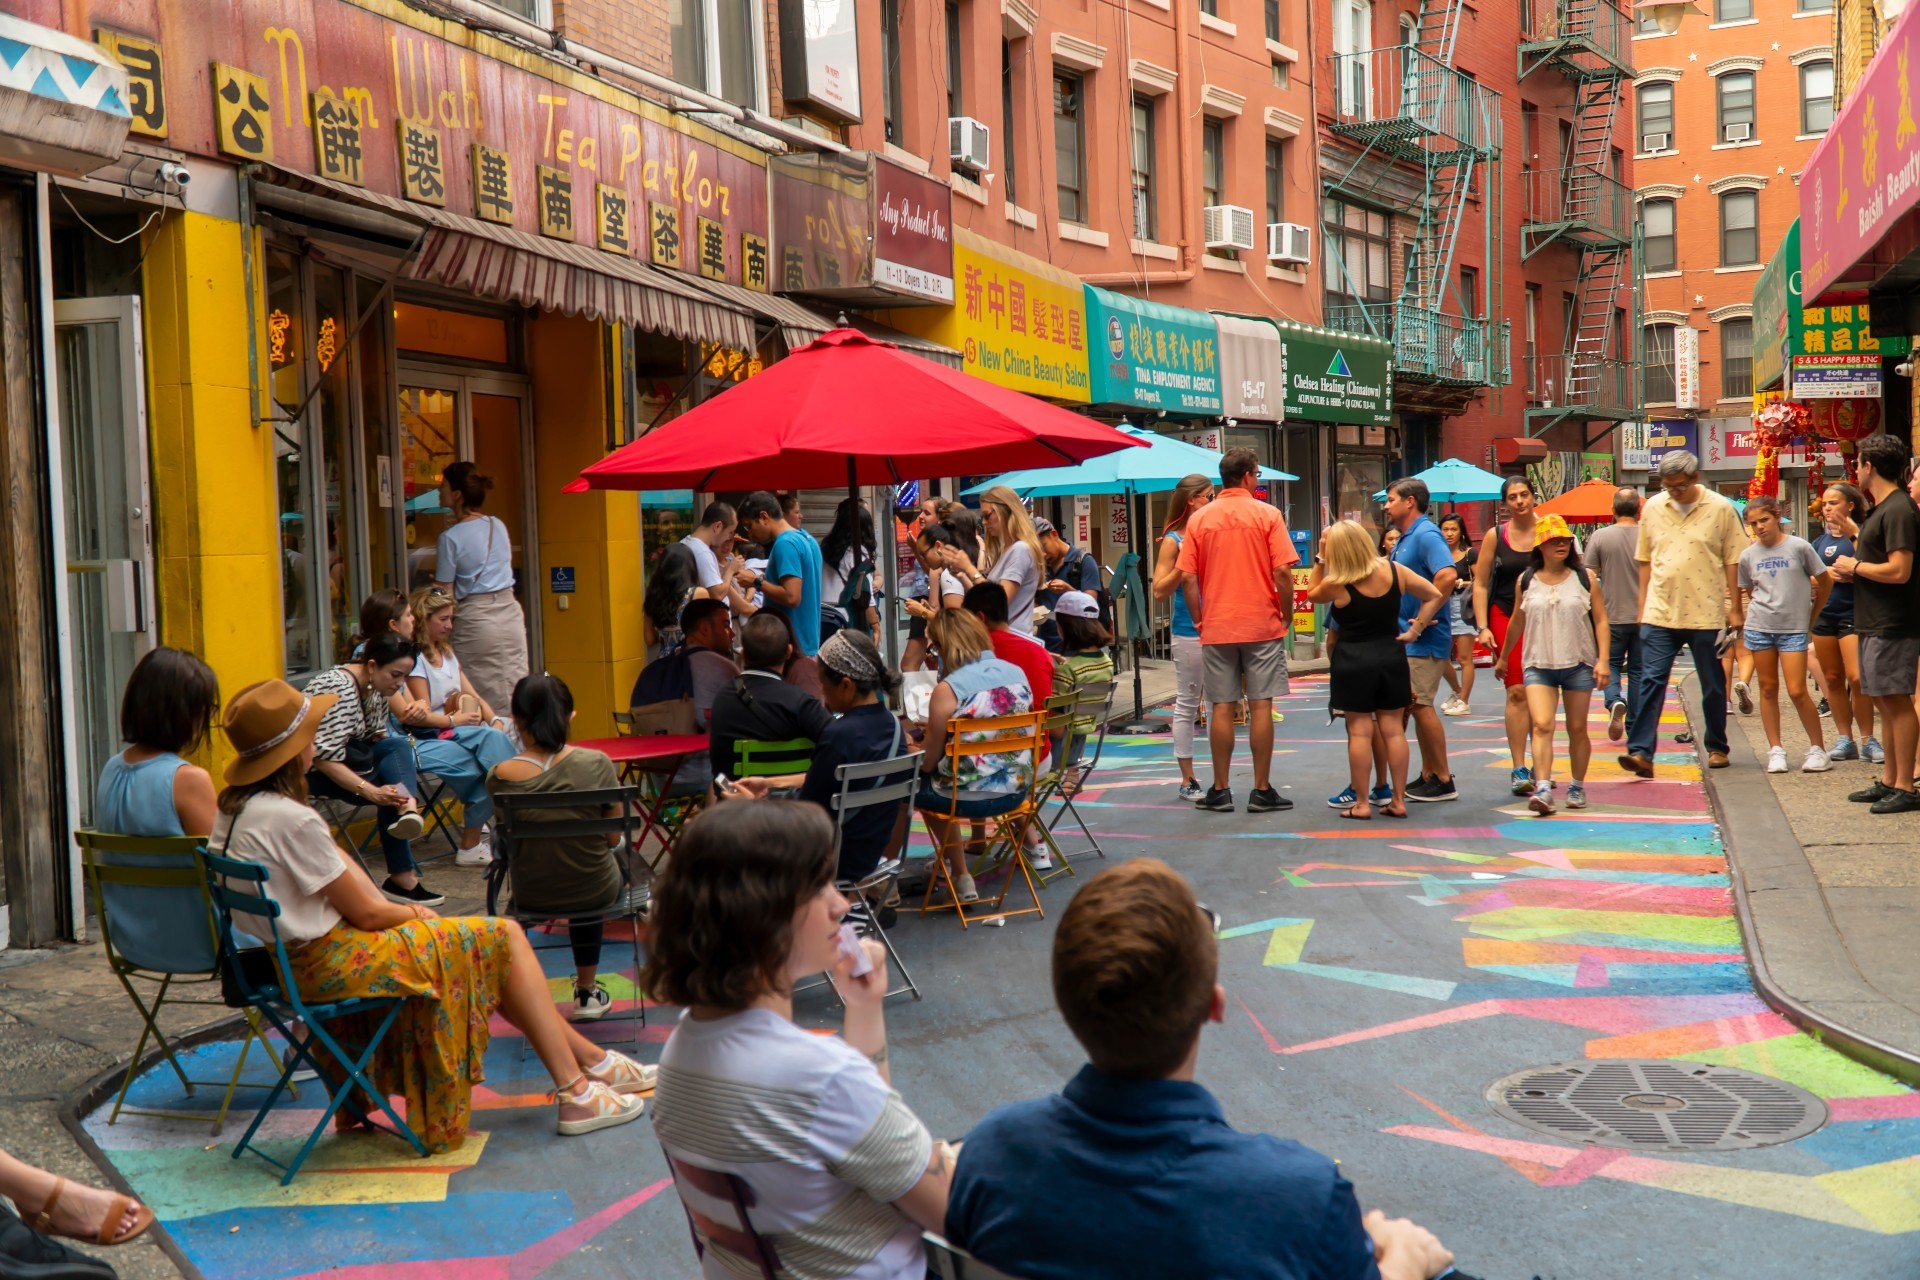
[1863, 180]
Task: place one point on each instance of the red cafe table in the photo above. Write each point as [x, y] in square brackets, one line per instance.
[660, 754]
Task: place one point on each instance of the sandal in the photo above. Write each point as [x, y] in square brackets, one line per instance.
[116, 1210]
[1351, 816]
[1391, 814]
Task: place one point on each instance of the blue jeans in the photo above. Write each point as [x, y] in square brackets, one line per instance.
[463, 762]
[393, 763]
[1623, 666]
[1659, 646]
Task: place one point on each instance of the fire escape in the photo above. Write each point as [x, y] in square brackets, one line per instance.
[1584, 206]
[1416, 118]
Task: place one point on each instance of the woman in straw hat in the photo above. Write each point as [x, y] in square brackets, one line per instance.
[348, 940]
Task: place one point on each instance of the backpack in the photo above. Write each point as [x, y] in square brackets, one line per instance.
[1071, 570]
[674, 578]
[1586, 582]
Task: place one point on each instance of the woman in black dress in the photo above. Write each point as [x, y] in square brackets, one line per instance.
[1369, 682]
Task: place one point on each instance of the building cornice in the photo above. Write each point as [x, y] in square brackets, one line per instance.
[1812, 53]
[1732, 311]
[1738, 182]
[1072, 51]
[1654, 75]
[1741, 63]
[1216, 101]
[1660, 191]
[1151, 77]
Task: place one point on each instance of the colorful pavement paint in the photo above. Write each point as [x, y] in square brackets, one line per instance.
[1380, 976]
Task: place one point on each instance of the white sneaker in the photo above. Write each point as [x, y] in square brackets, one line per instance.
[1541, 801]
[1777, 759]
[1816, 761]
[1744, 696]
[590, 1006]
[1455, 707]
[963, 888]
[1039, 857]
[597, 1107]
[481, 855]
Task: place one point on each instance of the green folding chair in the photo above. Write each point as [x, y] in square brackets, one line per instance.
[754, 758]
[158, 928]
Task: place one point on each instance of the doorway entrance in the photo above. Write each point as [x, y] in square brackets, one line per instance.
[109, 552]
[448, 414]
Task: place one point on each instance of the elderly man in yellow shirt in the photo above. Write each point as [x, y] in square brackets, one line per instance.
[1689, 554]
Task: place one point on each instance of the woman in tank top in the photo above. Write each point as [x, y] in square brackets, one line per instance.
[148, 789]
[1560, 627]
[1368, 680]
[1191, 494]
[1506, 553]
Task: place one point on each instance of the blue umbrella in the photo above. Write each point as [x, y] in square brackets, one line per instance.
[1163, 464]
[1452, 480]
[426, 503]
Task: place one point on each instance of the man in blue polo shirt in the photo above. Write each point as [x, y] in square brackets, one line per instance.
[1423, 549]
[791, 584]
[1132, 1169]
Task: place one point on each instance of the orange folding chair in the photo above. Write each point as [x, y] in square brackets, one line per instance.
[968, 736]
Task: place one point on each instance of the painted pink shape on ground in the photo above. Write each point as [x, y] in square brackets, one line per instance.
[1636, 793]
[1491, 900]
[1691, 1037]
[1582, 1166]
[1487, 1144]
[1546, 857]
[1889, 1106]
[1613, 895]
[1272, 1044]
[1591, 973]
[1446, 1017]
[1621, 1015]
[1437, 833]
[524, 1265]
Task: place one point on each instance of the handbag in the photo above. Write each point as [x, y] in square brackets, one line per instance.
[255, 964]
[673, 716]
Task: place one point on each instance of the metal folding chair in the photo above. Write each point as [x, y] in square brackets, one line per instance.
[1012, 735]
[722, 1190]
[755, 758]
[158, 928]
[1058, 728]
[278, 999]
[891, 782]
[1096, 699]
[950, 1262]
[515, 832]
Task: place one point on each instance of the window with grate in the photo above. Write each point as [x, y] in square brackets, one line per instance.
[1816, 97]
[1736, 358]
[1070, 146]
[1657, 231]
[1656, 386]
[1739, 228]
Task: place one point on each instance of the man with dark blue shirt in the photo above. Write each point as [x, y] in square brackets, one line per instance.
[1132, 1169]
[1423, 549]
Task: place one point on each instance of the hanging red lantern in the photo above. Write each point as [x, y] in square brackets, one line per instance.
[1843, 419]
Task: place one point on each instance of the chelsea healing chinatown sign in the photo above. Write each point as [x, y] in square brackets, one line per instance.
[1147, 355]
[1337, 377]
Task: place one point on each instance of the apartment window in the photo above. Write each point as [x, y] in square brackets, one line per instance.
[713, 45]
[1069, 146]
[1735, 91]
[1739, 228]
[1469, 291]
[1814, 6]
[1213, 150]
[1656, 384]
[1732, 10]
[1007, 174]
[1816, 97]
[1736, 359]
[1273, 20]
[1276, 180]
[1280, 75]
[1143, 153]
[890, 89]
[1656, 226]
[1654, 115]
[1645, 23]
[954, 69]
[1357, 258]
[1210, 7]
[1532, 335]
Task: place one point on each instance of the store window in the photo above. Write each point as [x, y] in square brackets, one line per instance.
[1736, 359]
[715, 47]
[1357, 477]
[1657, 230]
[1357, 255]
[1657, 382]
[1816, 97]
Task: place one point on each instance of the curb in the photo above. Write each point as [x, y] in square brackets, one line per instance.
[90, 1096]
[1754, 819]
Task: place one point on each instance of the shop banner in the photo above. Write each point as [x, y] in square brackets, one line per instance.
[1686, 367]
[1148, 355]
[1665, 436]
[912, 233]
[369, 94]
[1865, 174]
[1853, 377]
[1016, 321]
[1253, 369]
[1785, 329]
[1731, 442]
[1337, 377]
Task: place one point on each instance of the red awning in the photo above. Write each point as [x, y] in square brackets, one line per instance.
[535, 271]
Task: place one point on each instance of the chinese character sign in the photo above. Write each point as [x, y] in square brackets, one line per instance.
[146, 80]
[241, 113]
[492, 184]
[336, 140]
[556, 202]
[1152, 356]
[422, 175]
[615, 230]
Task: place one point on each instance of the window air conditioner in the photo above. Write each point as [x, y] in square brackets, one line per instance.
[1227, 226]
[1288, 242]
[1654, 141]
[1738, 132]
[967, 141]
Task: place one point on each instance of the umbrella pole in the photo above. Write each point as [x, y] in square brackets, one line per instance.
[1140, 723]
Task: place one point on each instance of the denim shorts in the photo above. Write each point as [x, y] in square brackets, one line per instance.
[1784, 641]
[1457, 614]
[1571, 679]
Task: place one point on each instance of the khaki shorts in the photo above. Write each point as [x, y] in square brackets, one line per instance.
[1256, 670]
[1426, 673]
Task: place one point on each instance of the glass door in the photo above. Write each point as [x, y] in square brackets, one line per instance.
[445, 416]
[103, 422]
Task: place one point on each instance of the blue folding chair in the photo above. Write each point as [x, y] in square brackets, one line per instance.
[278, 999]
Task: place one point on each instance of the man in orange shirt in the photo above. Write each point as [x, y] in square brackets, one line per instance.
[1236, 558]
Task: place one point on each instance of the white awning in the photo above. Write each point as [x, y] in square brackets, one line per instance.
[1253, 369]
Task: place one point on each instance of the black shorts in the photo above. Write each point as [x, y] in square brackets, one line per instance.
[916, 625]
[1829, 625]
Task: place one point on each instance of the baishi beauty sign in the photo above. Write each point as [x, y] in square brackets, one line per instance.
[913, 234]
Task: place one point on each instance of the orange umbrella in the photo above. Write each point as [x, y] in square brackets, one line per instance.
[1589, 503]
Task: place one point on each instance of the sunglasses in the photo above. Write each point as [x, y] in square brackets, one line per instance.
[1213, 917]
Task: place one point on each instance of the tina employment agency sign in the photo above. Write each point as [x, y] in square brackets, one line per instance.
[1148, 355]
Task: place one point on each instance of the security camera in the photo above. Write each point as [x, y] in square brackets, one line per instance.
[1904, 368]
[175, 174]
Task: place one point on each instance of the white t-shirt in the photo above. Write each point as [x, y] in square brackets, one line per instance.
[443, 681]
[706, 565]
[951, 585]
[833, 583]
[292, 841]
[807, 1122]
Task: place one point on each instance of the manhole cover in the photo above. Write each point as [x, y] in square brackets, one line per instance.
[1653, 1104]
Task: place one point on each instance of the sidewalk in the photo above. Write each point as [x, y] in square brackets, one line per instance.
[1828, 895]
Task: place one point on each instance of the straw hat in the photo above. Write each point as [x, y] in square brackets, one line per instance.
[1550, 526]
[270, 723]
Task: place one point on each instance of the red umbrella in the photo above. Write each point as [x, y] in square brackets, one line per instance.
[1589, 503]
[848, 409]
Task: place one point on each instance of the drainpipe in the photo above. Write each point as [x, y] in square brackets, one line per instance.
[1186, 165]
[486, 17]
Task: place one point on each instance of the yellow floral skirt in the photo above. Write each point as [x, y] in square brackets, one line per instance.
[450, 974]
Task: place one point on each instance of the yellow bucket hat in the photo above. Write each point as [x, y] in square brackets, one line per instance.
[1550, 526]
